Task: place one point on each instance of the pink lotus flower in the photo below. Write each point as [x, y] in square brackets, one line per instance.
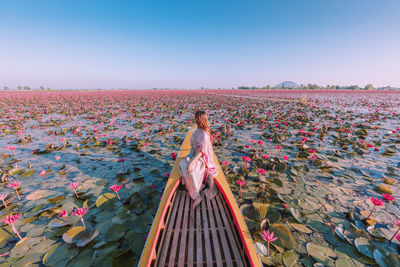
[269, 237]
[80, 212]
[311, 150]
[388, 197]
[278, 147]
[285, 158]
[62, 139]
[173, 156]
[260, 142]
[57, 158]
[74, 186]
[63, 213]
[240, 183]
[265, 156]
[42, 173]
[252, 141]
[246, 158]
[10, 219]
[11, 148]
[395, 234]
[3, 196]
[122, 160]
[285, 206]
[14, 186]
[116, 188]
[261, 171]
[376, 202]
[226, 163]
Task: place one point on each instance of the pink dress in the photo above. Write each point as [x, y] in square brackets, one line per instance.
[204, 169]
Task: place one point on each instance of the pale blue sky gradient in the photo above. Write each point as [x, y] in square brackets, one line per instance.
[193, 44]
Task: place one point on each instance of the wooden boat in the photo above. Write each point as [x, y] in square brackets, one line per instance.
[216, 235]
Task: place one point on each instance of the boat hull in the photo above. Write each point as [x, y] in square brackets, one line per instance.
[152, 252]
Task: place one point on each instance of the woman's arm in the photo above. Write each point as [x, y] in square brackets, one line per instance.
[194, 159]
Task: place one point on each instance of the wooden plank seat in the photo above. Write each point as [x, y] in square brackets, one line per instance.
[206, 236]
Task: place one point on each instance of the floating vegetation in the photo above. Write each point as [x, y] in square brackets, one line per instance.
[316, 178]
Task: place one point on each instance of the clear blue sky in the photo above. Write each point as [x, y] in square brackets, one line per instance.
[190, 44]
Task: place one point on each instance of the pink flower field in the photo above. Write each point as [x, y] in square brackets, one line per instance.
[315, 173]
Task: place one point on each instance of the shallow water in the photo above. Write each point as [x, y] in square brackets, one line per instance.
[323, 196]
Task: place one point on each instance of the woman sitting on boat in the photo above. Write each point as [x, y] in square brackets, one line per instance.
[199, 166]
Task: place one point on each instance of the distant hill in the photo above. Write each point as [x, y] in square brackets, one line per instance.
[287, 84]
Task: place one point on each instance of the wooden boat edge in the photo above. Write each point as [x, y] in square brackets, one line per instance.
[170, 188]
[148, 252]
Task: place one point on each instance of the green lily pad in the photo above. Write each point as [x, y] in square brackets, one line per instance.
[104, 198]
[281, 167]
[261, 248]
[273, 215]
[136, 241]
[251, 224]
[62, 172]
[71, 233]
[285, 237]
[17, 171]
[297, 214]
[23, 246]
[364, 246]
[84, 258]
[344, 262]
[4, 237]
[27, 173]
[301, 228]
[250, 212]
[59, 255]
[380, 232]
[115, 232]
[322, 254]
[103, 254]
[29, 260]
[38, 194]
[385, 258]
[84, 237]
[57, 198]
[290, 258]
[383, 189]
[261, 208]
[36, 231]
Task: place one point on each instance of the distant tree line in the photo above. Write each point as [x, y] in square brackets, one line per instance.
[318, 87]
[27, 88]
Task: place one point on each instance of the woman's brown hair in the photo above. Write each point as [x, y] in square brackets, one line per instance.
[202, 122]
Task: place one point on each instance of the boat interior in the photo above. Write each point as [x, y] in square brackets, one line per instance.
[206, 236]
